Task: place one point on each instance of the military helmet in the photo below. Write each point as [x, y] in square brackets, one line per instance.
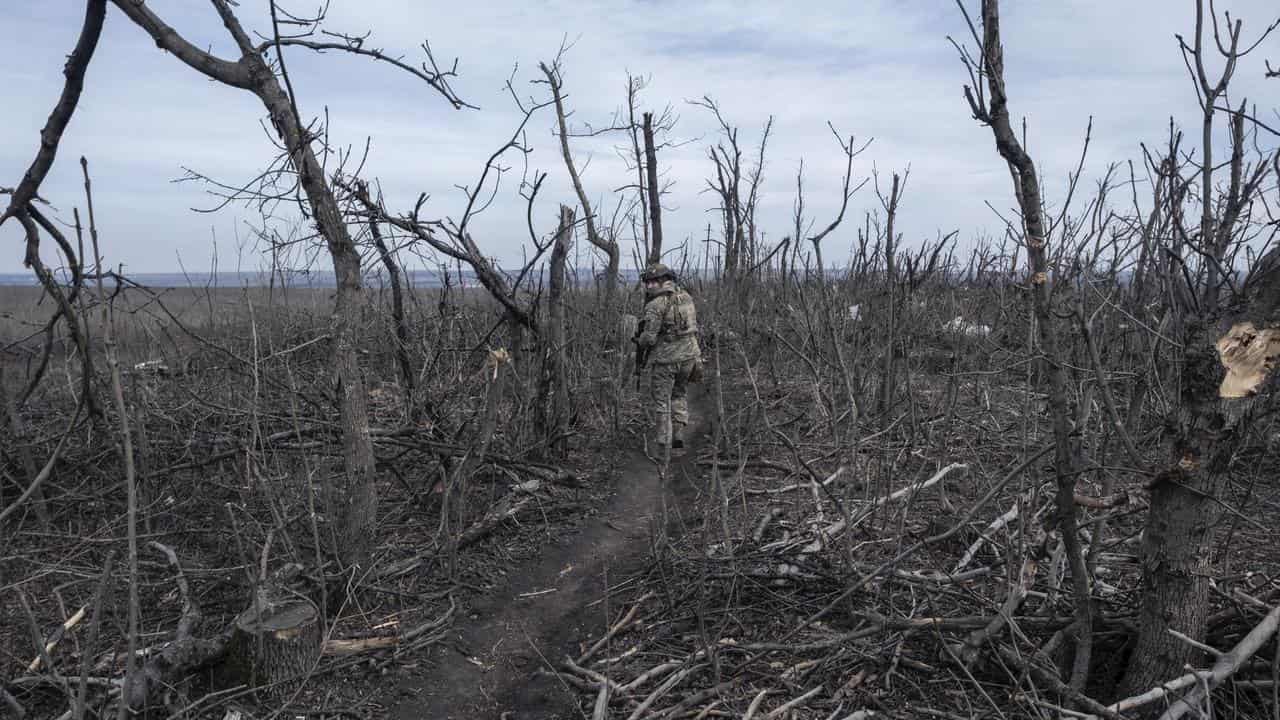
[656, 271]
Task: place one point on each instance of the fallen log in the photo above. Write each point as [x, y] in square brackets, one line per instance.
[358, 645]
[409, 438]
[617, 627]
[509, 506]
[973, 644]
[167, 665]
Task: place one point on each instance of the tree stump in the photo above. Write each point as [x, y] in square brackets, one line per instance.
[274, 644]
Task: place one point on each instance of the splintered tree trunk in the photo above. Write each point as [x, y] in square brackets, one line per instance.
[891, 338]
[655, 199]
[559, 425]
[1178, 537]
[1215, 412]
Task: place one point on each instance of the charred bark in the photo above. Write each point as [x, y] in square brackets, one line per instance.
[1211, 426]
[358, 499]
[891, 280]
[397, 315]
[995, 114]
[608, 246]
[558, 428]
[1214, 414]
[51, 134]
[654, 192]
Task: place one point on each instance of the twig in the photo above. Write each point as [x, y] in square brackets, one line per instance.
[45, 471]
[837, 527]
[626, 620]
[190, 611]
[964, 520]
[661, 690]
[94, 626]
[794, 703]
[755, 704]
[57, 636]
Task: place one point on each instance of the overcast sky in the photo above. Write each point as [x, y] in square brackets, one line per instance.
[875, 69]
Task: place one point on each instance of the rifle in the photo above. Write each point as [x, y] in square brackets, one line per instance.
[642, 354]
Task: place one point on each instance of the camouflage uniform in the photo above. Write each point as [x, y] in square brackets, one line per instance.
[671, 333]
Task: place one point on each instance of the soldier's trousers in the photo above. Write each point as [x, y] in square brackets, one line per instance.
[670, 397]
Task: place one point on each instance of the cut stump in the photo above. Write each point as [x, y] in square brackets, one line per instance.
[274, 644]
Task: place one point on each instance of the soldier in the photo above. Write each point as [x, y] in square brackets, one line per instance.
[668, 332]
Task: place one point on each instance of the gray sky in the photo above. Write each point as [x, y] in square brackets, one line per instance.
[876, 69]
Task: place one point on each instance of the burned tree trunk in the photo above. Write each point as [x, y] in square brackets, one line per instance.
[634, 86]
[558, 428]
[995, 114]
[397, 315]
[654, 192]
[891, 280]
[1214, 421]
[357, 500]
[608, 246]
[1238, 332]
[274, 644]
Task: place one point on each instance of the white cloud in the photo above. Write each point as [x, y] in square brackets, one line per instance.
[875, 69]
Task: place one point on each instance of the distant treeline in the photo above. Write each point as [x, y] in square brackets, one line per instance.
[417, 278]
[435, 279]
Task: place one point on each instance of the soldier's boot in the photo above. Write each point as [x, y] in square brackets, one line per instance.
[677, 436]
[677, 440]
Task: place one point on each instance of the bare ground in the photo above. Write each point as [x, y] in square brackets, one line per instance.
[502, 658]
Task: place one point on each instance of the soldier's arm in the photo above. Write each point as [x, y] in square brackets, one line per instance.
[652, 321]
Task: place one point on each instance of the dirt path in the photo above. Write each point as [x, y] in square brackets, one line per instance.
[489, 668]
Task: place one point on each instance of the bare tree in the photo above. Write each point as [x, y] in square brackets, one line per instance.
[387, 255]
[847, 191]
[1218, 322]
[654, 193]
[890, 205]
[634, 86]
[22, 207]
[355, 497]
[452, 237]
[640, 156]
[738, 213]
[993, 111]
[606, 245]
[556, 375]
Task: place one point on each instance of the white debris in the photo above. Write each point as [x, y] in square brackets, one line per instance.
[960, 326]
[157, 367]
[855, 312]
